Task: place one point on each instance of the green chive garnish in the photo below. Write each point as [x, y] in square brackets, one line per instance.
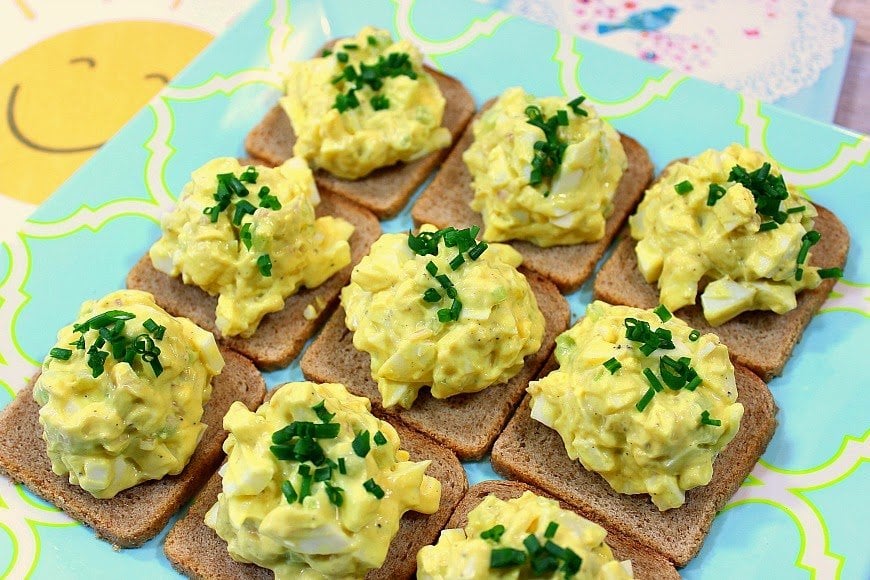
[361, 444]
[645, 400]
[684, 187]
[341, 56]
[662, 312]
[612, 365]
[715, 193]
[797, 209]
[431, 295]
[478, 250]
[288, 491]
[767, 226]
[652, 379]
[830, 273]
[706, 420]
[574, 105]
[322, 413]
[551, 530]
[60, 353]
[373, 488]
[372, 40]
[380, 439]
[342, 466]
[694, 335]
[505, 557]
[249, 175]
[264, 265]
[380, 102]
[333, 492]
[494, 533]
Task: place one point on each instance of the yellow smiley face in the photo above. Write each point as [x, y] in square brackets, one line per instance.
[65, 96]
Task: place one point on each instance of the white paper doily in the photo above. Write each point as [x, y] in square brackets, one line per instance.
[764, 48]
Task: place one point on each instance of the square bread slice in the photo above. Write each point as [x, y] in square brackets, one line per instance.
[468, 423]
[445, 202]
[646, 563]
[136, 514]
[760, 340]
[385, 191]
[530, 451]
[281, 335]
[196, 550]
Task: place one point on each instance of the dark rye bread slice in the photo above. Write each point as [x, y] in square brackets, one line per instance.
[281, 335]
[760, 340]
[530, 451]
[195, 550]
[384, 191]
[468, 423]
[137, 514]
[445, 202]
[647, 564]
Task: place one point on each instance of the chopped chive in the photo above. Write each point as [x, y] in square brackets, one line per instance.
[456, 262]
[325, 52]
[562, 118]
[663, 313]
[571, 562]
[243, 208]
[326, 430]
[550, 532]
[322, 413]
[373, 488]
[706, 420]
[645, 400]
[612, 365]
[494, 533]
[444, 315]
[830, 273]
[350, 46]
[684, 187]
[264, 265]
[431, 295]
[653, 380]
[796, 209]
[505, 557]
[478, 250]
[323, 473]
[455, 309]
[305, 486]
[575, 106]
[333, 492]
[249, 175]
[432, 268]
[380, 439]
[532, 544]
[768, 226]
[342, 466]
[60, 353]
[694, 335]
[341, 56]
[361, 444]
[693, 384]
[379, 102]
[372, 40]
[288, 491]
[715, 193]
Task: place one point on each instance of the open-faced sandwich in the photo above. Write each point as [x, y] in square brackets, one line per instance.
[724, 225]
[646, 426]
[252, 254]
[122, 425]
[316, 487]
[548, 175]
[444, 311]
[368, 116]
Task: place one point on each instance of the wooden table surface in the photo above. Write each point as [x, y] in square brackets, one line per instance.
[852, 110]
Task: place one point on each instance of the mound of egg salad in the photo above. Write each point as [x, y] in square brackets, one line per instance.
[642, 399]
[543, 170]
[250, 236]
[122, 393]
[526, 537]
[728, 217]
[314, 485]
[365, 104]
[441, 309]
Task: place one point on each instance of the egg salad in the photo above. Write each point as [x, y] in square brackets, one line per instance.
[122, 393]
[314, 485]
[249, 235]
[543, 170]
[642, 399]
[367, 103]
[729, 218]
[442, 310]
[526, 537]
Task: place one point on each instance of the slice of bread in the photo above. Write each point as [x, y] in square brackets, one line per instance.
[445, 202]
[384, 191]
[468, 423]
[760, 340]
[646, 563]
[281, 335]
[196, 550]
[532, 452]
[136, 514]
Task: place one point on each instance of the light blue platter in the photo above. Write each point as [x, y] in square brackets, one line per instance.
[802, 513]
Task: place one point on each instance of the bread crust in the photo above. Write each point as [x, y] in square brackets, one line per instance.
[647, 564]
[281, 335]
[531, 452]
[446, 202]
[385, 191]
[468, 424]
[136, 514]
[760, 340]
[196, 550]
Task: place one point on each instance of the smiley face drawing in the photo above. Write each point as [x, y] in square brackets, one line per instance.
[63, 97]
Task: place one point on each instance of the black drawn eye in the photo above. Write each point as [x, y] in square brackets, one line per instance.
[161, 77]
[85, 59]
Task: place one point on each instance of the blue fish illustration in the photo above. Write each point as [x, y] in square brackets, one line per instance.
[643, 20]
